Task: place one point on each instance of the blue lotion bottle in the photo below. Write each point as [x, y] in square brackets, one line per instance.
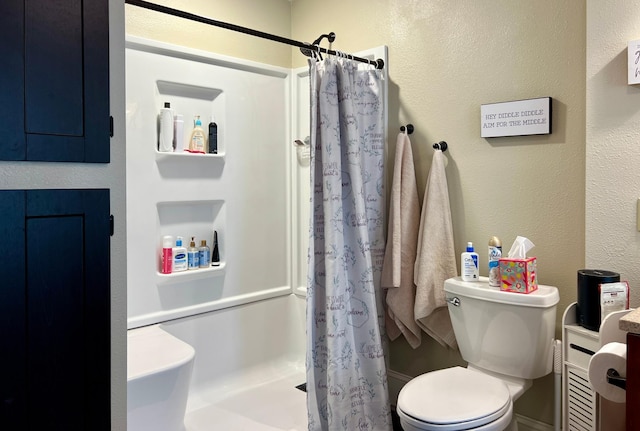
[193, 257]
[469, 264]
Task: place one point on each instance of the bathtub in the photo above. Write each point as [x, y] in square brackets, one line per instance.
[249, 362]
[159, 368]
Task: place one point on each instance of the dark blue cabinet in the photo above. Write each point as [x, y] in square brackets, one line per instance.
[55, 310]
[54, 80]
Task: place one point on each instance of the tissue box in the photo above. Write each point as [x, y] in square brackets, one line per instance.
[518, 275]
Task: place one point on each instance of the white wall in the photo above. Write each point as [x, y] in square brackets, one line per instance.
[613, 136]
[243, 192]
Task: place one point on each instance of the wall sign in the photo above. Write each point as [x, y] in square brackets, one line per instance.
[633, 62]
[517, 118]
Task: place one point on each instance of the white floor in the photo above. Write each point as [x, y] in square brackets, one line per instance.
[273, 406]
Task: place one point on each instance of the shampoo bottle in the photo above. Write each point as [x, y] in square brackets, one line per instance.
[165, 140]
[179, 256]
[167, 254]
[197, 143]
[213, 137]
[469, 264]
[192, 255]
[495, 253]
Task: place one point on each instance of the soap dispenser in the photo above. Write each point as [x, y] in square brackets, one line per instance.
[197, 143]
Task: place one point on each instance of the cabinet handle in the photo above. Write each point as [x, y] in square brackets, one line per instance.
[582, 349]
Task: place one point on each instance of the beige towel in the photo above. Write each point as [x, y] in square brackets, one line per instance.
[436, 260]
[402, 240]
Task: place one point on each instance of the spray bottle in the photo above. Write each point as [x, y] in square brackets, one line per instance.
[495, 253]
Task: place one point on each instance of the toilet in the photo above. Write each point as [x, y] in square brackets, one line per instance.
[159, 368]
[507, 340]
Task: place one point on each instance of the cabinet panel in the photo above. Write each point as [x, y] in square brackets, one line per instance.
[55, 84]
[55, 310]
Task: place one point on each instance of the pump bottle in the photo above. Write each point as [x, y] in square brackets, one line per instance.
[192, 255]
[198, 141]
[469, 264]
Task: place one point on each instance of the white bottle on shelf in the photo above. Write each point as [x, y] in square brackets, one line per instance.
[179, 256]
[165, 140]
[469, 264]
[178, 133]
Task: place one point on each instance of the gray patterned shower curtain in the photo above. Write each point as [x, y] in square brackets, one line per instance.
[346, 370]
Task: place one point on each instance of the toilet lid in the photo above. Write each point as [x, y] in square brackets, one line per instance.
[454, 396]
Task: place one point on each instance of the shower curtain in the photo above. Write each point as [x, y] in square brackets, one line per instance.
[346, 372]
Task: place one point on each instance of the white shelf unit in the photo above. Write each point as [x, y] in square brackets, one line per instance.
[583, 409]
[579, 401]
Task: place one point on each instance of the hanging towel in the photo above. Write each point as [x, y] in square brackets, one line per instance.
[436, 259]
[402, 241]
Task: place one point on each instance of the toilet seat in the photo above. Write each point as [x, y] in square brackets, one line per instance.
[455, 399]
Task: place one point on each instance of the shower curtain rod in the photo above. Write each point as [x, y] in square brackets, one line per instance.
[305, 48]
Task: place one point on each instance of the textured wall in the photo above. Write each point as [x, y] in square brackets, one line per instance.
[270, 16]
[613, 114]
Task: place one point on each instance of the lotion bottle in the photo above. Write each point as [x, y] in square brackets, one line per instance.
[469, 264]
[204, 254]
[192, 255]
[179, 256]
[198, 141]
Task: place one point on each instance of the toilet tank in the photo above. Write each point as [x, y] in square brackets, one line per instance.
[504, 332]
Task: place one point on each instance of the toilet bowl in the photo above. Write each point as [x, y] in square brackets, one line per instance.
[455, 399]
[159, 369]
[507, 340]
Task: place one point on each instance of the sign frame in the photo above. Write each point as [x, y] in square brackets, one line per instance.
[516, 118]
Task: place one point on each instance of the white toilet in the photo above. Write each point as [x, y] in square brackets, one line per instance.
[159, 368]
[506, 338]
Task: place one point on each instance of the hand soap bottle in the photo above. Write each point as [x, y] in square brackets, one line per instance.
[469, 264]
[197, 143]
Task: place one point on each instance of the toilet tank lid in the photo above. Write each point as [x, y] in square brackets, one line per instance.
[543, 297]
[152, 350]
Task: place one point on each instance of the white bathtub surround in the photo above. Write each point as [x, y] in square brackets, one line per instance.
[346, 377]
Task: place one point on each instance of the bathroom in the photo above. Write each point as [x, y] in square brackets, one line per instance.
[572, 192]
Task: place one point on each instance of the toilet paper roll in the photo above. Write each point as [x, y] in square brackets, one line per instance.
[611, 355]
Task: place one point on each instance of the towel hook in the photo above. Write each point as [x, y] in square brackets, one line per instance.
[442, 145]
[409, 128]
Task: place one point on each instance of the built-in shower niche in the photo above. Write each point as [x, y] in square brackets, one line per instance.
[198, 219]
[190, 101]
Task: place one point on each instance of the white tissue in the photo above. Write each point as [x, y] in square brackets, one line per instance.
[611, 355]
[520, 248]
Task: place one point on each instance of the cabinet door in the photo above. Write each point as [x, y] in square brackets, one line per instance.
[55, 310]
[54, 82]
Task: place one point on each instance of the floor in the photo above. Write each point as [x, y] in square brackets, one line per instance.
[275, 406]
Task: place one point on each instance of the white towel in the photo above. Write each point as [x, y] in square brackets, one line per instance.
[402, 241]
[436, 260]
